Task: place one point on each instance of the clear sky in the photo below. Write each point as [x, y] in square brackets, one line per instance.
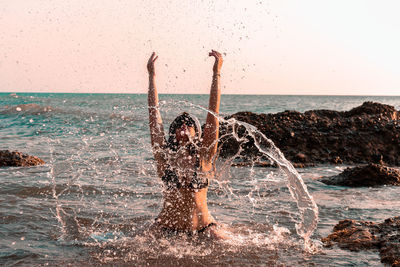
[346, 47]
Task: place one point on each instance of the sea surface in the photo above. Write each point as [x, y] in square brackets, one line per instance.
[93, 201]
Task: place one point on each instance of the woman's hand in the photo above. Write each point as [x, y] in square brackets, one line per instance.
[150, 64]
[218, 61]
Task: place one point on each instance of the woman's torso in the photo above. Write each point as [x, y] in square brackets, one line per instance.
[185, 197]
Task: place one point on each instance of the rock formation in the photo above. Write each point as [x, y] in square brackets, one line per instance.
[369, 175]
[368, 133]
[358, 235]
[17, 159]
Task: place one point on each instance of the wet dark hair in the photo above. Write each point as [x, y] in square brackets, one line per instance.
[189, 120]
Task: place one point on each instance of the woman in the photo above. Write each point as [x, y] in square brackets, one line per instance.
[185, 162]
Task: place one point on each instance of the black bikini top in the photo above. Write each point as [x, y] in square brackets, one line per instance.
[171, 180]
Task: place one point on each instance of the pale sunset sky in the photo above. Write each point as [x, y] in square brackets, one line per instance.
[344, 47]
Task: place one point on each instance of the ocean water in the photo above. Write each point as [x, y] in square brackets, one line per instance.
[98, 192]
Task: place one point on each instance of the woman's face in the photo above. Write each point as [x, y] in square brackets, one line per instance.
[185, 134]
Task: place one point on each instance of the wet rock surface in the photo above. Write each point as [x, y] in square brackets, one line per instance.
[18, 159]
[359, 235]
[368, 175]
[368, 133]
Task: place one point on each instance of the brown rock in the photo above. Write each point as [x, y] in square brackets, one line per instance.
[371, 108]
[17, 159]
[353, 235]
[369, 175]
[301, 157]
[358, 235]
[368, 133]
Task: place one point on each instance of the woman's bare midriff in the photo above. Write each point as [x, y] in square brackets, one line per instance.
[185, 209]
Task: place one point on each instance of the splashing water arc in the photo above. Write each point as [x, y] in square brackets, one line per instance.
[101, 232]
[307, 207]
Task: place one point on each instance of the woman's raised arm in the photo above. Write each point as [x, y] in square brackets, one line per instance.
[211, 129]
[155, 120]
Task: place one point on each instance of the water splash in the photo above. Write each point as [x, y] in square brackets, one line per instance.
[307, 207]
[55, 195]
[74, 209]
[305, 203]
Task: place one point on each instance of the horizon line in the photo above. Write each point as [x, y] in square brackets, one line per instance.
[195, 94]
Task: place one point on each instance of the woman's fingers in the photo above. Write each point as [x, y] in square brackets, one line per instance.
[218, 60]
[150, 63]
[153, 57]
[215, 54]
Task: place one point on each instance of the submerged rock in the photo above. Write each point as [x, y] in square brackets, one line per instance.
[17, 159]
[369, 175]
[368, 133]
[27, 109]
[358, 235]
